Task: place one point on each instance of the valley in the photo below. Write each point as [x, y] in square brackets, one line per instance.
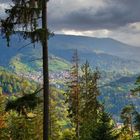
[118, 63]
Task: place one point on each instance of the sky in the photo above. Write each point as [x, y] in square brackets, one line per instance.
[117, 19]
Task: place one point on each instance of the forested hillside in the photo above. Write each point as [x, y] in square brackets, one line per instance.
[118, 71]
[21, 74]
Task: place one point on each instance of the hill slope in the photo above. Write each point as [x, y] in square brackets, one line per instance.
[92, 44]
[115, 59]
[106, 54]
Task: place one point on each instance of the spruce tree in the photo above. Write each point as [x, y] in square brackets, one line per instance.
[73, 93]
[90, 106]
[23, 18]
[104, 129]
[127, 116]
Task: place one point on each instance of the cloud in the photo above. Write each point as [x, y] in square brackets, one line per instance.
[4, 5]
[64, 14]
[129, 34]
[89, 15]
[118, 19]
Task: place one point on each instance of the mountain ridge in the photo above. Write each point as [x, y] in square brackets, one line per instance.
[105, 53]
[107, 45]
[91, 37]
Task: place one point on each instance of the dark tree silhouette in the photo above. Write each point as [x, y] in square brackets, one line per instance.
[22, 104]
[25, 15]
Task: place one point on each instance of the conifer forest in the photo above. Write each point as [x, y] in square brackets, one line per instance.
[69, 70]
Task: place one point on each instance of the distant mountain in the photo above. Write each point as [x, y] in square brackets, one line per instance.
[92, 44]
[104, 53]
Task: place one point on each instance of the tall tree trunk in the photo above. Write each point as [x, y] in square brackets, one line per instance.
[45, 73]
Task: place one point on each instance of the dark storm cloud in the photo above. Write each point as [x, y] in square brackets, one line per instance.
[115, 14]
[5, 1]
